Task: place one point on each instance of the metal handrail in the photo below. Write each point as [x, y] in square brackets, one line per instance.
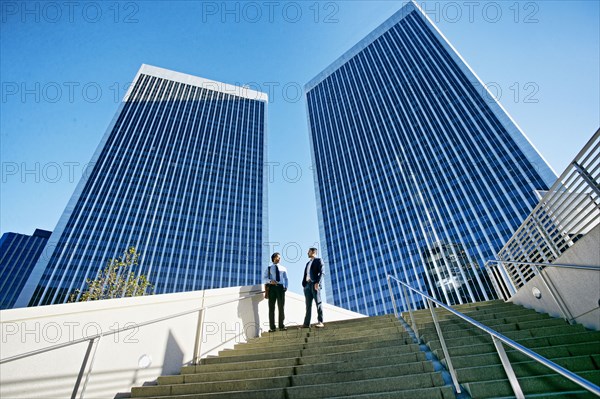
[559, 265]
[95, 339]
[538, 271]
[498, 340]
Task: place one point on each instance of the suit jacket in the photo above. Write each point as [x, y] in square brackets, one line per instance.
[316, 271]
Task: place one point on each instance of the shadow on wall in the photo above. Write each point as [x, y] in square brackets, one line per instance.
[247, 312]
[173, 357]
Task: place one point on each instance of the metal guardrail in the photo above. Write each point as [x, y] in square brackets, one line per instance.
[505, 287]
[497, 338]
[94, 340]
[565, 213]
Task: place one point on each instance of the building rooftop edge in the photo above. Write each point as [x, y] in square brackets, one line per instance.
[362, 44]
[198, 81]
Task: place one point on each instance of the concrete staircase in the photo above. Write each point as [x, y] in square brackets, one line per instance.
[478, 366]
[361, 358]
[375, 357]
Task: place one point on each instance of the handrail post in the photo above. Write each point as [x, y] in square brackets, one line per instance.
[198, 340]
[510, 373]
[86, 357]
[412, 317]
[555, 295]
[438, 329]
[392, 296]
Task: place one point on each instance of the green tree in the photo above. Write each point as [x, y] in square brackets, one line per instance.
[118, 279]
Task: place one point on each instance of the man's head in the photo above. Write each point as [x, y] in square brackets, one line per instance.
[312, 252]
[275, 258]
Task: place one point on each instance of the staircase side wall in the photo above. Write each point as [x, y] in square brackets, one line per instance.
[579, 289]
[119, 360]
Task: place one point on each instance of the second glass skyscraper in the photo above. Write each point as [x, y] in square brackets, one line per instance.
[418, 173]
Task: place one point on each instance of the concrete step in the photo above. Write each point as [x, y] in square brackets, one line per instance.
[549, 383]
[513, 311]
[498, 325]
[362, 357]
[524, 369]
[206, 376]
[211, 387]
[457, 322]
[410, 382]
[444, 392]
[366, 345]
[473, 336]
[263, 355]
[401, 362]
[247, 365]
[359, 354]
[365, 373]
[275, 393]
[552, 352]
[472, 348]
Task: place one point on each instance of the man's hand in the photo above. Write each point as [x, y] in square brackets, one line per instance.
[274, 282]
[316, 286]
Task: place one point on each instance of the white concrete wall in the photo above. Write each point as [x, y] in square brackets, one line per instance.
[580, 289]
[115, 368]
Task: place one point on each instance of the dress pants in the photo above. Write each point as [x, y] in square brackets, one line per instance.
[309, 294]
[276, 294]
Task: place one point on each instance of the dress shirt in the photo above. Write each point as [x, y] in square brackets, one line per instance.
[283, 277]
[308, 265]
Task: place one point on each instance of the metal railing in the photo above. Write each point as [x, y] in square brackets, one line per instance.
[497, 338]
[505, 287]
[94, 340]
[565, 213]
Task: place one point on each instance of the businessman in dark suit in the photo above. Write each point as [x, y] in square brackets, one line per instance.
[312, 287]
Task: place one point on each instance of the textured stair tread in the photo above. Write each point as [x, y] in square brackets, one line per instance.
[502, 327]
[485, 339]
[457, 322]
[262, 355]
[374, 362]
[254, 364]
[364, 320]
[343, 340]
[445, 392]
[368, 345]
[410, 348]
[548, 383]
[524, 369]
[226, 375]
[361, 373]
[315, 347]
[212, 387]
[486, 345]
[581, 394]
[363, 358]
[550, 352]
[366, 386]
[276, 393]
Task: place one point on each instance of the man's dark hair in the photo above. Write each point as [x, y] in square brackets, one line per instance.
[313, 249]
[273, 256]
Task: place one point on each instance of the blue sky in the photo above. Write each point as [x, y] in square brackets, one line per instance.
[65, 66]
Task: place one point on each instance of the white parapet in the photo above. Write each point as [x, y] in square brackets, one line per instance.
[119, 361]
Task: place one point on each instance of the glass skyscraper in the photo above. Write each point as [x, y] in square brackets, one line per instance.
[18, 255]
[419, 172]
[179, 175]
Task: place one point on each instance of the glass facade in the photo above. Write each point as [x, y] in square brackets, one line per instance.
[179, 175]
[419, 172]
[18, 255]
